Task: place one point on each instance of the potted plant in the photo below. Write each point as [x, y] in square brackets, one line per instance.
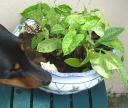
[84, 48]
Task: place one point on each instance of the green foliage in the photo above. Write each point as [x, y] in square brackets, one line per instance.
[102, 20]
[71, 41]
[57, 29]
[121, 68]
[110, 38]
[110, 34]
[39, 37]
[50, 45]
[102, 63]
[74, 62]
[64, 9]
[98, 29]
[36, 12]
[90, 22]
[64, 31]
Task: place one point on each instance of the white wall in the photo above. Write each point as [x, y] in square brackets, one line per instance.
[114, 10]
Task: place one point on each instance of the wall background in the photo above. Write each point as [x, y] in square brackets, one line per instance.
[114, 10]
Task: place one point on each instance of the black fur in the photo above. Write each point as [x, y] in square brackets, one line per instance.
[11, 53]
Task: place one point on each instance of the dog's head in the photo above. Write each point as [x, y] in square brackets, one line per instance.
[24, 74]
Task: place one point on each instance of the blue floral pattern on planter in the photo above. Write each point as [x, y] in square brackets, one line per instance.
[68, 83]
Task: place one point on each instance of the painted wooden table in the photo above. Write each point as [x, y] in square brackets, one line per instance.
[20, 98]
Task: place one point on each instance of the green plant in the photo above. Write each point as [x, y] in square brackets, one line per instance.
[64, 31]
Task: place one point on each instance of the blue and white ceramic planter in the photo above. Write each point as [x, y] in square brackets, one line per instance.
[66, 83]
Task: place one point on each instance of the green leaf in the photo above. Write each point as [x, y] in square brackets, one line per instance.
[88, 39]
[34, 42]
[74, 62]
[86, 70]
[36, 12]
[64, 8]
[90, 22]
[75, 20]
[45, 33]
[49, 45]
[102, 20]
[52, 17]
[103, 64]
[121, 69]
[104, 60]
[116, 44]
[57, 29]
[71, 41]
[87, 58]
[98, 29]
[36, 7]
[44, 22]
[62, 22]
[113, 31]
[102, 71]
[110, 35]
[36, 39]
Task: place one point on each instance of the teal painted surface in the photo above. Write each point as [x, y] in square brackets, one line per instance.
[5, 96]
[21, 98]
[61, 101]
[41, 99]
[81, 100]
[99, 96]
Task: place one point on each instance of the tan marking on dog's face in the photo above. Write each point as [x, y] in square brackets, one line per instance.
[17, 66]
[22, 46]
[26, 82]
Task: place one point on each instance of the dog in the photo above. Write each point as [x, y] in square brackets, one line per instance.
[15, 68]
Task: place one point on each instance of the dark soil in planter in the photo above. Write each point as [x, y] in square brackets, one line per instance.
[58, 61]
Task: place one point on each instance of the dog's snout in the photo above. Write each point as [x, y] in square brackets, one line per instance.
[47, 79]
[43, 75]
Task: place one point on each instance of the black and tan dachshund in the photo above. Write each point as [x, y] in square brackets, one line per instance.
[15, 68]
